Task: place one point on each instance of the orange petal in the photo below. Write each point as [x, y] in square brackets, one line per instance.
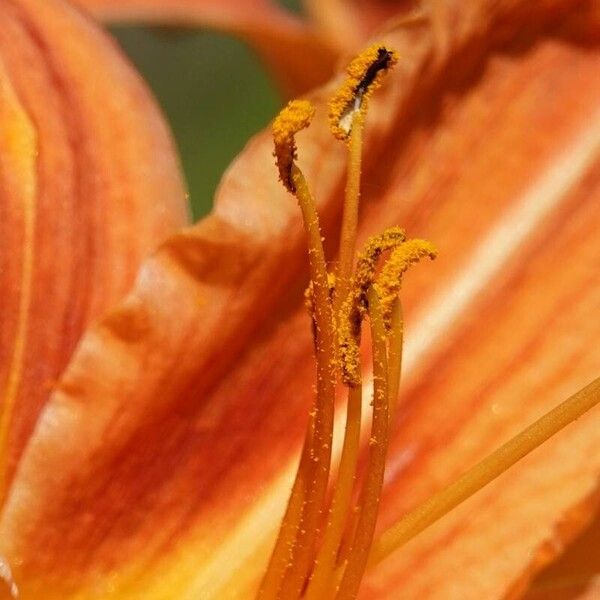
[162, 464]
[298, 57]
[88, 184]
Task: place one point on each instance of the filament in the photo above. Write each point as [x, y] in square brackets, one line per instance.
[282, 553]
[305, 507]
[395, 345]
[322, 577]
[486, 471]
[378, 445]
[320, 446]
[350, 213]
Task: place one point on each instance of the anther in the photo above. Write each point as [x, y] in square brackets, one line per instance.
[388, 282]
[354, 306]
[296, 116]
[365, 74]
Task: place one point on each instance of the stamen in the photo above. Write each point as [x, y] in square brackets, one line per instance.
[309, 300]
[486, 471]
[365, 74]
[300, 524]
[350, 213]
[389, 281]
[320, 448]
[322, 579]
[353, 309]
[371, 493]
[344, 555]
[281, 556]
[293, 556]
[395, 346]
[347, 111]
[296, 116]
[348, 334]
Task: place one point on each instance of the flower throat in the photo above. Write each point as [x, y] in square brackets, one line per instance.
[325, 544]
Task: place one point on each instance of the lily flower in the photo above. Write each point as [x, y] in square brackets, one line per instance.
[161, 464]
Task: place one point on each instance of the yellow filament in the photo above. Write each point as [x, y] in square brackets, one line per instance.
[320, 448]
[347, 539]
[350, 213]
[371, 493]
[349, 350]
[395, 345]
[313, 470]
[486, 471]
[281, 555]
[294, 117]
[322, 578]
[309, 301]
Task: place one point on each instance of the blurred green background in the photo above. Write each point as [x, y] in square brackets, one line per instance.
[214, 92]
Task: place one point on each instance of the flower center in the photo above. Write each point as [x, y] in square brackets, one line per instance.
[323, 548]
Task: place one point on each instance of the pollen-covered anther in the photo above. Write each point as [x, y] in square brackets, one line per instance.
[296, 116]
[366, 266]
[366, 263]
[365, 74]
[353, 308]
[389, 281]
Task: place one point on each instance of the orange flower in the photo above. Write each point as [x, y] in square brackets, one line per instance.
[162, 461]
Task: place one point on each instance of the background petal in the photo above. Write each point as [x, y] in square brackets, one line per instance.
[350, 23]
[88, 185]
[161, 466]
[296, 55]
